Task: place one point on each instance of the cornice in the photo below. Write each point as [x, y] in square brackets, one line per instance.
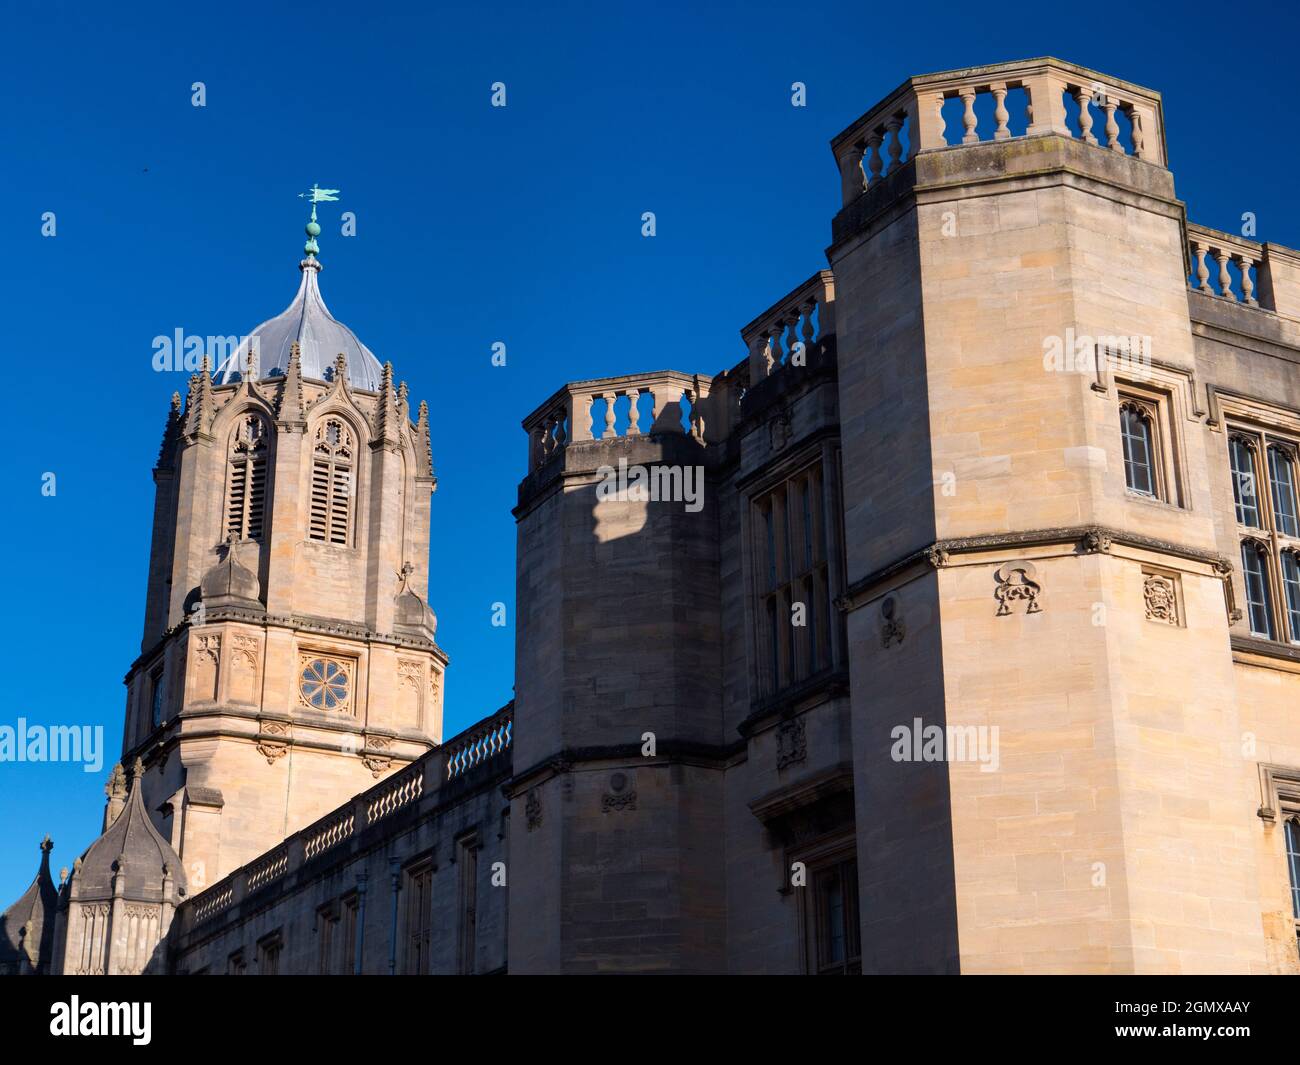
[1084, 539]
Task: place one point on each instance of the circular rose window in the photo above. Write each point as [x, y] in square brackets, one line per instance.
[324, 684]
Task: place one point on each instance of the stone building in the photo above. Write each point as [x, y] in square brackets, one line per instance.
[954, 628]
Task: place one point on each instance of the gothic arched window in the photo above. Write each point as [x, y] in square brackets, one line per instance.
[1291, 587]
[332, 484]
[246, 486]
[1242, 455]
[1259, 601]
[1137, 430]
[1281, 477]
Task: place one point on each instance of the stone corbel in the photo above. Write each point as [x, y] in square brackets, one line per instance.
[1224, 569]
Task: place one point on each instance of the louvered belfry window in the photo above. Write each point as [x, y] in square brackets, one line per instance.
[246, 495]
[331, 483]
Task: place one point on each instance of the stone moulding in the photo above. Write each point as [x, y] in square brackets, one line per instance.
[1279, 790]
[313, 625]
[1083, 539]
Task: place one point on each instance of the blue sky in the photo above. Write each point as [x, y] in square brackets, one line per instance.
[474, 225]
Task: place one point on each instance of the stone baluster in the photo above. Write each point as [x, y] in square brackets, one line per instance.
[852, 181]
[1225, 278]
[792, 331]
[1202, 271]
[580, 424]
[1139, 140]
[1108, 106]
[806, 312]
[895, 127]
[1244, 263]
[633, 415]
[1001, 131]
[874, 162]
[968, 119]
[610, 397]
[1084, 97]
[696, 416]
[774, 352]
[939, 124]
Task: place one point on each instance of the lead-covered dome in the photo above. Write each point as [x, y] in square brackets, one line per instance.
[320, 336]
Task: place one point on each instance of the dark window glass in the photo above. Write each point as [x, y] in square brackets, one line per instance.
[1243, 482]
[1281, 476]
[1291, 583]
[835, 927]
[1254, 566]
[1293, 863]
[156, 694]
[1138, 471]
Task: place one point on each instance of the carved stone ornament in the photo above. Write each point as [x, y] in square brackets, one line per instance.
[1095, 541]
[619, 796]
[1161, 599]
[892, 629]
[936, 556]
[533, 809]
[780, 431]
[791, 742]
[377, 764]
[273, 741]
[376, 756]
[1016, 584]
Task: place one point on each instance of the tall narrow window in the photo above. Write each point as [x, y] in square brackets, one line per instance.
[327, 930]
[1242, 456]
[419, 926]
[834, 932]
[1293, 863]
[1137, 431]
[467, 859]
[333, 461]
[793, 585]
[1281, 477]
[1254, 567]
[268, 954]
[348, 937]
[1291, 585]
[246, 490]
[157, 694]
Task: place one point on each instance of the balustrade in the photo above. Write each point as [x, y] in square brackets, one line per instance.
[610, 407]
[917, 108]
[791, 327]
[1234, 259]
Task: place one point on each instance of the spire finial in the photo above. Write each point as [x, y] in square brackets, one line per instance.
[315, 195]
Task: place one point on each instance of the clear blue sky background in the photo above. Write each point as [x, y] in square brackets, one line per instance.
[475, 225]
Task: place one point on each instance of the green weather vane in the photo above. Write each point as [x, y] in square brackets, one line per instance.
[316, 195]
